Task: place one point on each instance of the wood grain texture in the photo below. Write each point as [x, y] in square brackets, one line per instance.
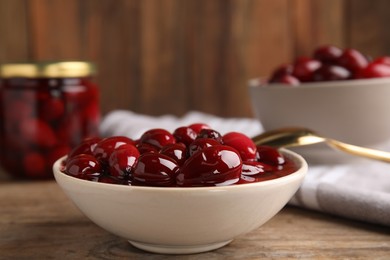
[172, 56]
[55, 29]
[368, 26]
[14, 38]
[316, 23]
[39, 222]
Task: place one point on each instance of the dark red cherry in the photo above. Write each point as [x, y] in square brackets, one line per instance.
[18, 110]
[212, 166]
[376, 70]
[83, 166]
[106, 146]
[353, 60]
[242, 143]
[210, 133]
[68, 129]
[304, 68]
[86, 146]
[34, 165]
[383, 60]
[330, 73]
[327, 54]
[37, 132]
[185, 135]
[52, 109]
[157, 137]
[155, 169]
[281, 71]
[287, 79]
[269, 155]
[57, 152]
[177, 151]
[200, 144]
[197, 127]
[147, 148]
[123, 160]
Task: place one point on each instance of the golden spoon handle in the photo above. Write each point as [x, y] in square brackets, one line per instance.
[359, 151]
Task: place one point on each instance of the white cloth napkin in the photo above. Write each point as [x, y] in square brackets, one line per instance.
[358, 190]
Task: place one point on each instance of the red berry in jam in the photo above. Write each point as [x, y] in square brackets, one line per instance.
[123, 160]
[327, 54]
[184, 135]
[269, 155]
[154, 169]
[18, 110]
[330, 73]
[105, 147]
[37, 132]
[383, 60]
[280, 72]
[84, 166]
[177, 151]
[197, 127]
[56, 153]
[287, 79]
[353, 60]
[304, 68]
[242, 143]
[212, 166]
[376, 70]
[157, 137]
[210, 133]
[85, 147]
[52, 109]
[92, 112]
[200, 144]
[147, 148]
[34, 165]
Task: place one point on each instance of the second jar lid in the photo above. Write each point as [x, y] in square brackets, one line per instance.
[58, 69]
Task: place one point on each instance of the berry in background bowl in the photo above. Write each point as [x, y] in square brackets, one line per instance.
[339, 93]
[330, 63]
[223, 188]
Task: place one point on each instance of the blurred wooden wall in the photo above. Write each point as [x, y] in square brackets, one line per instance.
[172, 56]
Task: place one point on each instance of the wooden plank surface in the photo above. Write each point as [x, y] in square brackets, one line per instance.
[39, 222]
[14, 38]
[316, 23]
[54, 29]
[368, 26]
[172, 56]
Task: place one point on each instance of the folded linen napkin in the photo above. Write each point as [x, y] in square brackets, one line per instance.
[358, 190]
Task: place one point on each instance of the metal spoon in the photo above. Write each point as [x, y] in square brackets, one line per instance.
[298, 136]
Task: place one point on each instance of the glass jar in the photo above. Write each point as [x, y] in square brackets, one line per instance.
[45, 110]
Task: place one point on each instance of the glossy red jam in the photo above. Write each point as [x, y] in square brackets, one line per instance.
[45, 110]
[184, 158]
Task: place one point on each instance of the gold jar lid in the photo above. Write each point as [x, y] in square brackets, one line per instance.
[59, 69]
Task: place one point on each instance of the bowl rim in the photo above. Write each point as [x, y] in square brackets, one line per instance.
[262, 84]
[300, 172]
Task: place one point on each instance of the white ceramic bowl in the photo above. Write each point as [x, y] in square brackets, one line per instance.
[353, 111]
[181, 220]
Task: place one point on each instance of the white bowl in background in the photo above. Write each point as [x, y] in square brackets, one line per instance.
[353, 111]
[181, 220]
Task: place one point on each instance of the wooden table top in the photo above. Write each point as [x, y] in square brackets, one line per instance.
[37, 221]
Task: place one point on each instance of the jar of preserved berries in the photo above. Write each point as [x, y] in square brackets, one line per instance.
[45, 110]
